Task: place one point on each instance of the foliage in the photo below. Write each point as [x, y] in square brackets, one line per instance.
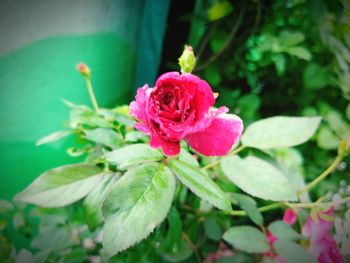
[128, 202]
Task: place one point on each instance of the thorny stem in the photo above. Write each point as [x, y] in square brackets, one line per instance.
[240, 148]
[322, 176]
[91, 93]
[193, 246]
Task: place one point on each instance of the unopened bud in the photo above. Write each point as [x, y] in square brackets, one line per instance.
[84, 69]
[344, 146]
[187, 61]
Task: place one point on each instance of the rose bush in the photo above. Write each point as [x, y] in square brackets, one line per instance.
[179, 107]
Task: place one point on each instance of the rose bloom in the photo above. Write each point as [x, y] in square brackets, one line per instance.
[179, 108]
[322, 244]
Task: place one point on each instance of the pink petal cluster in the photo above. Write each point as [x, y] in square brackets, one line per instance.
[322, 244]
[179, 108]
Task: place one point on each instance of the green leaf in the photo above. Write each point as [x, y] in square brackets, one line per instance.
[280, 132]
[103, 136]
[292, 252]
[247, 238]
[135, 205]
[219, 9]
[187, 157]
[299, 52]
[173, 237]
[212, 75]
[257, 178]
[248, 204]
[282, 230]
[61, 186]
[326, 139]
[315, 77]
[94, 200]
[290, 39]
[53, 237]
[212, 229]
[280, 63]
[200, 184]
[82, 115]
[52, 137]
[218, 39]
[133, 154]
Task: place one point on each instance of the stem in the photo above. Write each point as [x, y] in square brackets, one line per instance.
[240, 148]
[91, 94]
[322, 176]
[316, 204]
[227, 43]
[193, 246]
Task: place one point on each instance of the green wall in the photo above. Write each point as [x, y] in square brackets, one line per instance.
[44, 40]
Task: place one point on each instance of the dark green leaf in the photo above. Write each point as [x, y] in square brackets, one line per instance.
[292, 252]
[247, 238]
[135, 205]
[212, 229]
[248, 204]
[315, 77]
[300, 52]
[282, 230]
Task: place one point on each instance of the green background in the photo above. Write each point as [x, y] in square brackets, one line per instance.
[43, 41]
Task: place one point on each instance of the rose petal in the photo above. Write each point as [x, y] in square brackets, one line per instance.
[219, 137]
[170, 148]
[289, 216]
[138, 108]
[204, 97]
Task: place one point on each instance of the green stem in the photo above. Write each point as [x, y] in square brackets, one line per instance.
[322, 176]
[91, 94]
[240, 148]
[316, 204]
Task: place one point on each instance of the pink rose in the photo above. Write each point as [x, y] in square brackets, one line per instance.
[179, 107]
[322, 244]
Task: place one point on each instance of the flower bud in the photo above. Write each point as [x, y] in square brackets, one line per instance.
[187, 61]
[344, 146]
[84, 70]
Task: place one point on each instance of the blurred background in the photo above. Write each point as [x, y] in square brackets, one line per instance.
[264, 58]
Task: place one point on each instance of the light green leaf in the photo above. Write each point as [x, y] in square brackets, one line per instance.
[52, 137]
[94, 200]
[133, 154]
[104, 136]
[326, 139]
[247, 238]
[186, 157]
[335, 120]
[292, 252]
[61, 186]
[133, 136]
[248, 204]
[280, 132]
[219, 10]
[201, 184]
[290, 39]
[300, 52]
[135, 205]
[282, 230]
[257, 178]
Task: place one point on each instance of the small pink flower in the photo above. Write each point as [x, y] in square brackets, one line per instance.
[322, 245]
[179, 107]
